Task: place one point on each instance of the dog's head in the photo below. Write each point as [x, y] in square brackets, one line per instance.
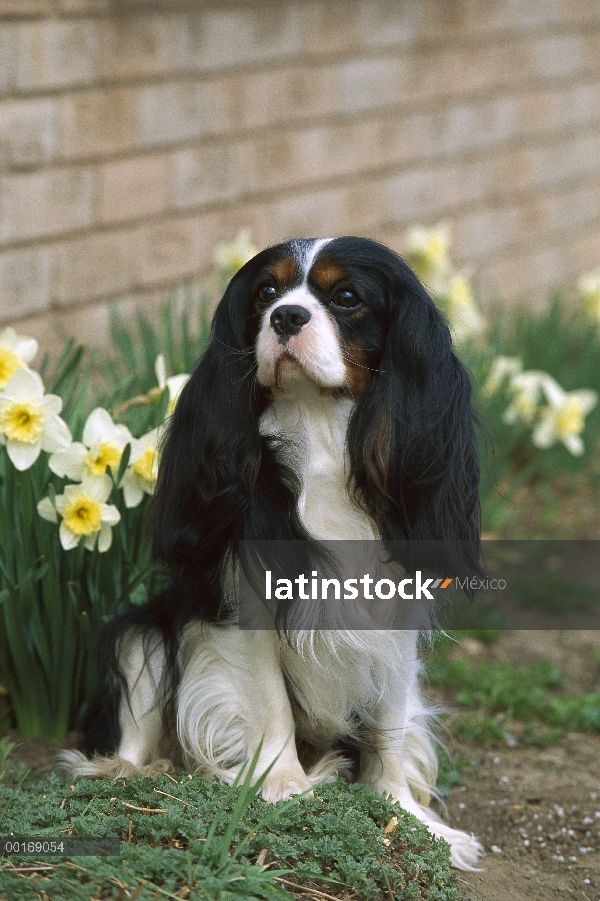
[348, 318]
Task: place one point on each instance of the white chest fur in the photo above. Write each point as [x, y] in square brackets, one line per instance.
[314, 428]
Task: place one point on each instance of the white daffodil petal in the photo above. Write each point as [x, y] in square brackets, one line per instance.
[89, 542]
[97, 426]
[160, 368]
[587, 399]
[25, 385]
[132, 492]
[555, 394]
[68, 539]
[97, 487]
[22, 456]
[104, 538]
[543, 435]
[51, 404]
[110, 514]
[26, 348]
[46, 510]
[57, 435]
[69, 463]
[574, 444]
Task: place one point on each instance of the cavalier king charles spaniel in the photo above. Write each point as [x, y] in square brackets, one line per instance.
[329, 406]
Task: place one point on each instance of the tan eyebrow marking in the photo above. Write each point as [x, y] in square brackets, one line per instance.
[285, 272]
[325, 273]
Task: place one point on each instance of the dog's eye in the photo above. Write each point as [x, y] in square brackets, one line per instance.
[346, 298]
[267, 294]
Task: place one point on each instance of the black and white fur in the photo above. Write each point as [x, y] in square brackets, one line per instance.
[329, 405]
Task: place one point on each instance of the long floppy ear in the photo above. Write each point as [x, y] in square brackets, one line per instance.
[412, 444]
[210, 459]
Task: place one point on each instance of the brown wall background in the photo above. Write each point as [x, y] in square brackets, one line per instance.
[134, 135]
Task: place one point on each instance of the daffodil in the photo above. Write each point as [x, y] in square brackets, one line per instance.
[526, 388]
[84, 513]
[589, 291]
[427, 252]
[140, 475]
[229, 257]
[502, 368]
[459, 305]
[563, 419]
[29, 420]
[174, 383]
[16, 351]
[102, 447]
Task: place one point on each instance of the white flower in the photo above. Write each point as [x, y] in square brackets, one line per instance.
[229, 257]
[103, 446]
[427, 252]
[85, 513]
[465, 319]
[564, 417]
[527, 396]
[140, 475]
[589, 291]
[174, 383]
[29, 420]
[502, 368]
[16, 351]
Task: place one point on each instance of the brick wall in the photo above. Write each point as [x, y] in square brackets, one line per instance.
[136, 134]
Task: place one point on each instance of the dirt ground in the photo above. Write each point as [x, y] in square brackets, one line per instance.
[536, 811]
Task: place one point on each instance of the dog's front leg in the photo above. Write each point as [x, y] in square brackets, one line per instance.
[403, 761]
[233, 704]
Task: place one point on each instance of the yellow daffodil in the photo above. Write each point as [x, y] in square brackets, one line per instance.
[229, 257]
[563, 419]
[502, 368]
[589, 292]
[16, 351]
[427, 253]
[174, 383]
[84, 513]
[464, 318]
[527, 396]
[102, 447]
[140, 475]
[29, 420]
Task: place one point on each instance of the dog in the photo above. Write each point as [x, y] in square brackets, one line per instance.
[329, 405]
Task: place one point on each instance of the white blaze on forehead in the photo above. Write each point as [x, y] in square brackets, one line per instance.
[311, 254]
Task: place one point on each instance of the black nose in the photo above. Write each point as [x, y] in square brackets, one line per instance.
[287, 320]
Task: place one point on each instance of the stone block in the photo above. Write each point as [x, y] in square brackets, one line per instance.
[558, 56]
[25, 282]
[136, 46]
[134, 188]
[213, 172]
[56, 53]
[45, 203]
[170, 113]
[93, 266]
[97, 122]
[366, 84]
[235, 36]
[8, 56]
[166, 251]
[28, 132]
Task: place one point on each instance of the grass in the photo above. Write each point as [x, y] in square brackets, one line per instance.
[499, 701]
[188, 838]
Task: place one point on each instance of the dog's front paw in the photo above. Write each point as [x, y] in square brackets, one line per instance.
[281, 786]
[465, 850]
